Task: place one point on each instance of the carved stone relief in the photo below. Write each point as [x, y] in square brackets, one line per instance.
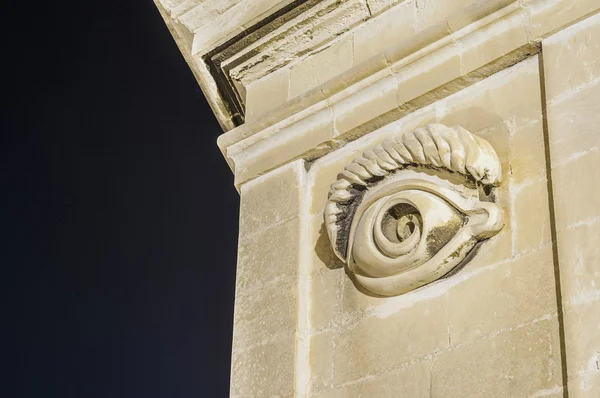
[410, 210]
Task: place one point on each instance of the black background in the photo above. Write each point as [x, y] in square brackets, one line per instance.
[119, 213]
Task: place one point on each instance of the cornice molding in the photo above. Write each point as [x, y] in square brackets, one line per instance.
[409, 75]
[466, 41]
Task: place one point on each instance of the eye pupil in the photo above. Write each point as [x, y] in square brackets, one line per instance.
[406, 230]
[400, 222]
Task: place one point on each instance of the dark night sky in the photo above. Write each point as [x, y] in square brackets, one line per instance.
[119, 214]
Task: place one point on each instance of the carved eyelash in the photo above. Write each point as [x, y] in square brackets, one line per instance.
[380, 207]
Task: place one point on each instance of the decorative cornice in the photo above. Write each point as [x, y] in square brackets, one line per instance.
[410, 210]
[443, 55]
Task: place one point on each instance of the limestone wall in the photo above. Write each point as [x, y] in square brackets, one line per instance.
[462, 333]
[321, 85]
[572, 76]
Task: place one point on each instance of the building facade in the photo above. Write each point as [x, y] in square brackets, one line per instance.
[418, 184]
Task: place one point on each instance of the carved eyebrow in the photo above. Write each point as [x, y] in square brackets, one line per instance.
[435, 145]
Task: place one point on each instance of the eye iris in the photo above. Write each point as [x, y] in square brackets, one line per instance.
[400, 222]
[407, 225]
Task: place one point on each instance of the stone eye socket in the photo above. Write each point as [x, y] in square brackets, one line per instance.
[400, 222]
[410, 210]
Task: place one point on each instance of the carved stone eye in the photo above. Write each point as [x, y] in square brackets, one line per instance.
[410, 210]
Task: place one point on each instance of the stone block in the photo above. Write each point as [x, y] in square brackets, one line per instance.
[383, 31]
[427, 74]
[321, 67]
[585, 385]
[367, 105]
[573, 123]
[528, 152]
[265, 313]
[270, 199]
[291, 43]
[431, 13]
[582, 337]
[495, 250]
[463, 13]
[571, 57]
[232, 22]
[203, 13]
[493, 41]
[326, 298]
[531, 218]
[576, 186]
[550, 16]
[273, 150]
[411, 381]
[265, 370]
[512, 94]
[268, 257]
[515, 363]
[379, 344]
[267, 94]
[355, 302]
[321, 362]
[579, 259]
[377, 6]
[447, 16]
[503, 297]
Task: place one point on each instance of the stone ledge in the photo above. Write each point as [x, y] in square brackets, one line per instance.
[465, 57]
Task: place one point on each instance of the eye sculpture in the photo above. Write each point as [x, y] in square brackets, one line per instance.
[410, 210]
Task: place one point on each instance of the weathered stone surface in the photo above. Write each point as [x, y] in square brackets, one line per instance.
[280, 189]
[570, 56]
[377, 34]
[576, 190]
[507, 296]
[265, 370]
[528, 151]
[574, 112]
[299, 40]
[478, 107]
[326, 298]
[572, 68]
[367, 105]
[422, 79]
[514, 363]
[531, 203]
[321, 67]
[266, 154]
[380, 344]
[425, 74]
[265, 313]
[266, 306]
[411, 381]
[267, 94]
[269, 256]
[307, 89]
[485, 44]
[549, 16]
[579, 257]
[582, 336]
[321, 362]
